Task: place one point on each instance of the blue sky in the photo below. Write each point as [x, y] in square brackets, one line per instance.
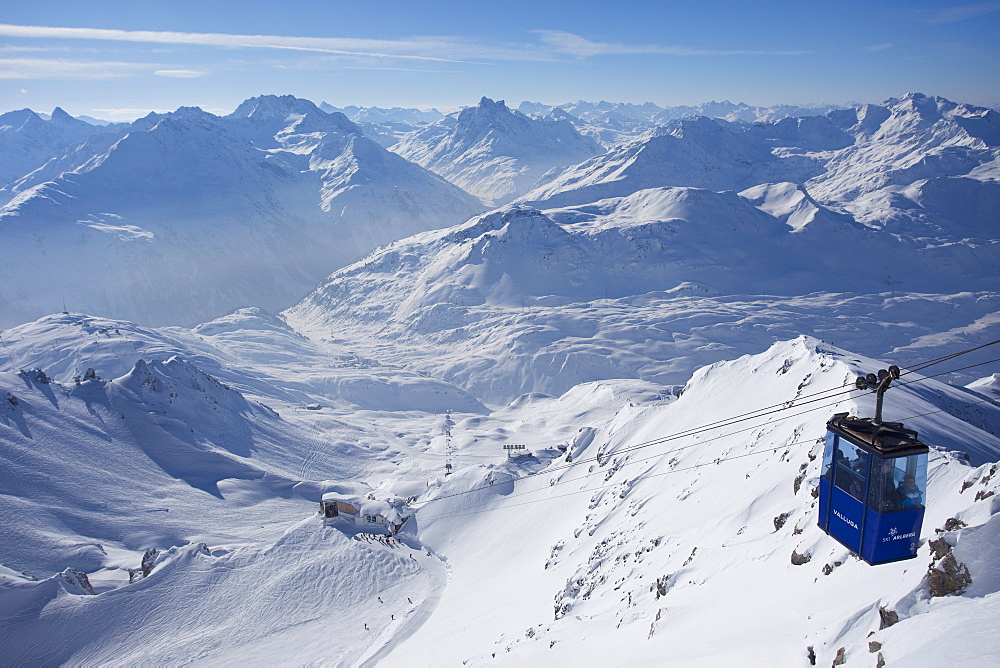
[117, 60]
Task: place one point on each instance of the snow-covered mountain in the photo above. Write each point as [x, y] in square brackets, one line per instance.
[615, 123]
[656, 115]
[919, 162]
[604, 414]
[406, 115]
[136, 507]
[700, 153]
[917, 165]
[185, 216]
[652, 286]
[27, 142]
[494, 152]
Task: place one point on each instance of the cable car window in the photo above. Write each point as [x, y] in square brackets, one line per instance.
[898, 484]
[852, 462]
[914, 480]
[883, 497]
[828, 455]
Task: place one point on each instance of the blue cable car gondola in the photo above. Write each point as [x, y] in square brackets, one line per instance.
[873, 480]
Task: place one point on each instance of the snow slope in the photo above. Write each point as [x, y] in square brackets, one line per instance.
[553, 555]
[648, 549]
[494, 152]
[187, 216]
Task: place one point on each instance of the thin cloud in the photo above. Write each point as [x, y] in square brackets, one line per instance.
[574, 45]
[955, 14]
[414, 49]
[36, 68]
[879, 47]
[180, 74]
[552, 45]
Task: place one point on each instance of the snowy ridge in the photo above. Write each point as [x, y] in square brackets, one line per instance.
[917, 165]
[27, 142]
[701, 153]
[650, 286]
[494, 152]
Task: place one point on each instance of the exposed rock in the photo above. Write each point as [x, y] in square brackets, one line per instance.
[948, 577]
[797, 483]
[78, 581]
[841, 657]
[37, 375]
[887, 618]
[983, 494]
[148, 561]
[799, 559]
[780, 520]
[939, 547]
[811, 655]
[874, 646]
[661, 586]
[690, 558]
[954, 524]
[881, 661]
[945, 575]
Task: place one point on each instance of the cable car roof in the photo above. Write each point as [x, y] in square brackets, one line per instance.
[886, 439]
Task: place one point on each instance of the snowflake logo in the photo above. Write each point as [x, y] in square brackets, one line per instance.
[893, 531]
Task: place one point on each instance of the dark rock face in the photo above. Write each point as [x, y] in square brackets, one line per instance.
[841, 657]
[888, 618]
[939, 548]
[945, 575]
[78, 581]
[948, 577]
[799, 559]
[780, 520]
[148, 561]
[954, 524]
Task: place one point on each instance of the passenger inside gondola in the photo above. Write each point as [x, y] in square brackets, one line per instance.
[851, 465]
[883, 495]
[911, 496]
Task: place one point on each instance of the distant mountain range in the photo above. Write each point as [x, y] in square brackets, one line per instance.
[494, 152]
[180, 217]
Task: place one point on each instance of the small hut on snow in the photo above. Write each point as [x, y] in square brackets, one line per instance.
[384, 516]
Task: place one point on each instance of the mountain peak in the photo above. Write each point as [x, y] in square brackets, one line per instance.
[60, 116]
[487, 103]
[268, 107]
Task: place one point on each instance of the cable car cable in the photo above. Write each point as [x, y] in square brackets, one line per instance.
[714, 462]
[742, 417]
[724, 423]
[658, 441]
[945, 373]
[945, 358]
